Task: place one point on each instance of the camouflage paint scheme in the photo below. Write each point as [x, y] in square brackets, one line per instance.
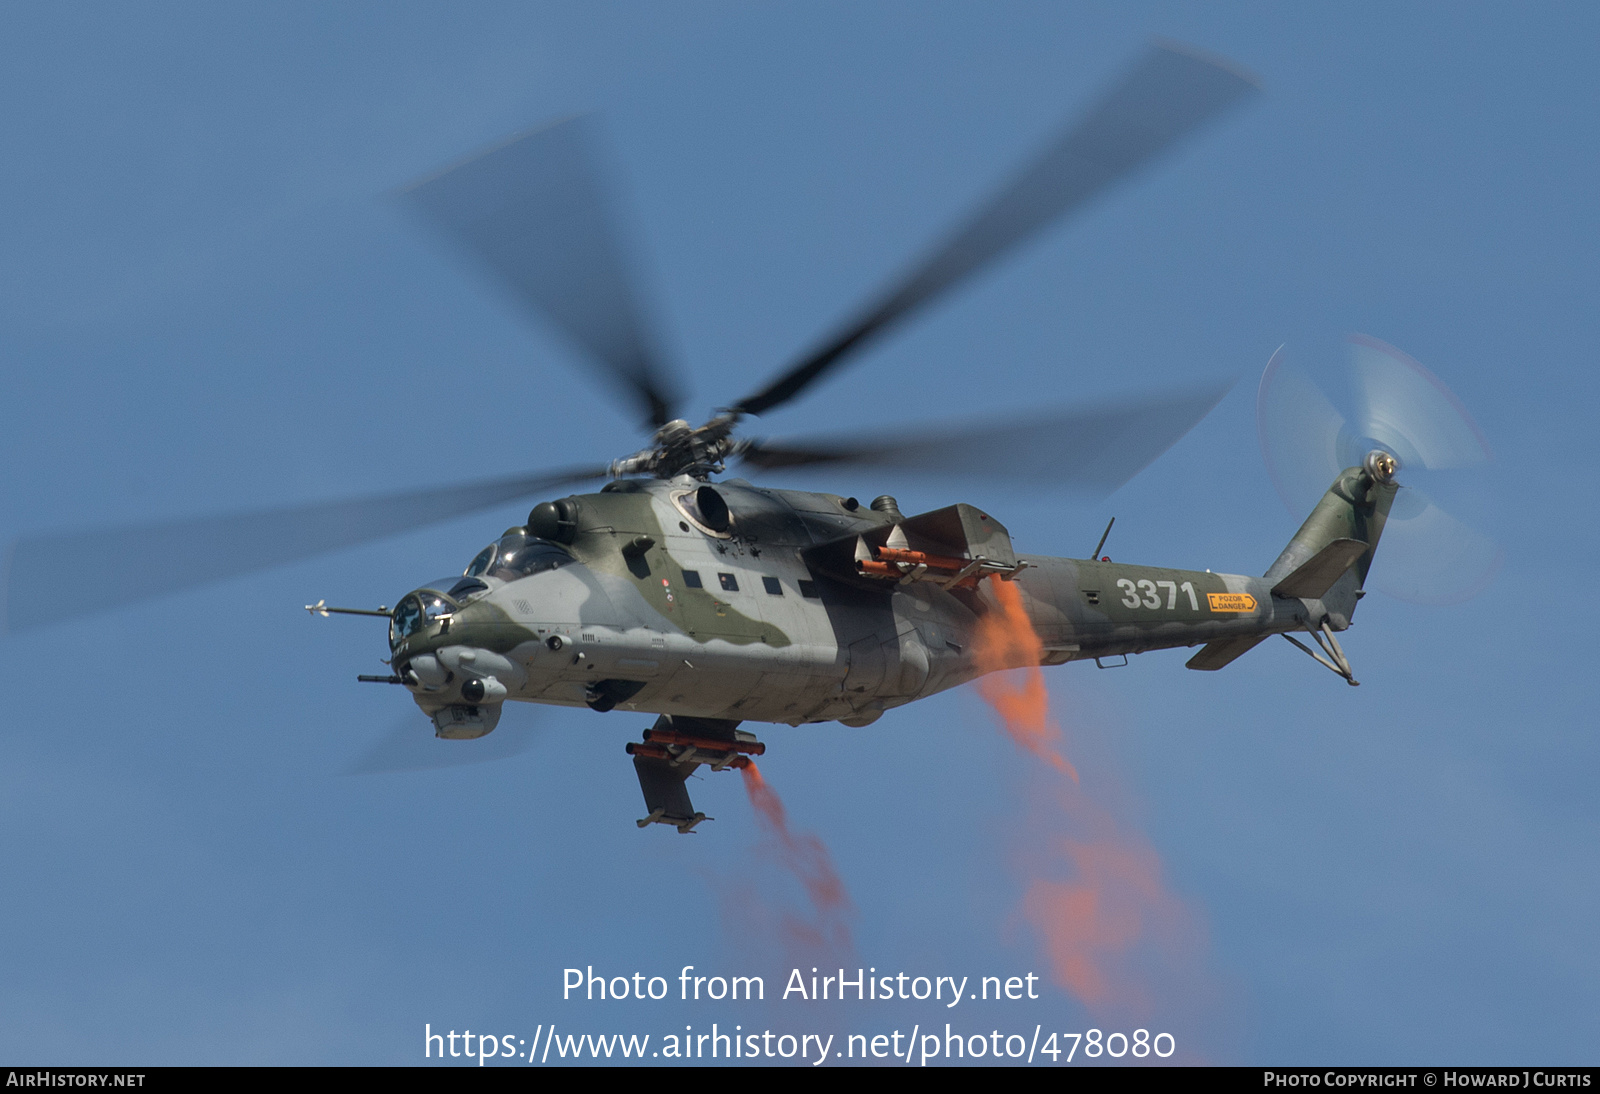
[622, 626]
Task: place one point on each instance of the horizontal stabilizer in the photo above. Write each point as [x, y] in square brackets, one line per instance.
[1214, 655]
[1317, 574]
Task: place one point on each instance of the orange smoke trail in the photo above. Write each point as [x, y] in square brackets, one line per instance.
[1092, 924]
[1006, 640]
[804, 856]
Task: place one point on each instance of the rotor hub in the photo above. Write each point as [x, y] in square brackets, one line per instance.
[1380, 465]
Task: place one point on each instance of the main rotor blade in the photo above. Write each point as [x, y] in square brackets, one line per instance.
[62, 575]
[534, 212]
[1168, 94]
[1090, 450]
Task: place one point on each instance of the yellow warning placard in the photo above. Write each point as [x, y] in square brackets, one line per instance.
[1231, 602]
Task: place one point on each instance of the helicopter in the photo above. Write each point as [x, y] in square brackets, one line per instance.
[713, 602]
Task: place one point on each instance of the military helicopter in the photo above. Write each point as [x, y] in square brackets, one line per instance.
[715, 603]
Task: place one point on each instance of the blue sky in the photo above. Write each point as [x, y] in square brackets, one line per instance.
[214, 300]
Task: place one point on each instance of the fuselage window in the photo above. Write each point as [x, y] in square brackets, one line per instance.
[691, 578]
[729, 582]
[773, 585]
[809, 588]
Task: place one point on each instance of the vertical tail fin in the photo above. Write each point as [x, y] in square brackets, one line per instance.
[1352, 512]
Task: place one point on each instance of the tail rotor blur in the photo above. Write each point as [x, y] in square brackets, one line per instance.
[1389, 402]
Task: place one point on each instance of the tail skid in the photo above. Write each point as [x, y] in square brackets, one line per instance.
[1336, 659]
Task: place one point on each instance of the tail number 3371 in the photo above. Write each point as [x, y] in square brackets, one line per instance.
[1155, 594]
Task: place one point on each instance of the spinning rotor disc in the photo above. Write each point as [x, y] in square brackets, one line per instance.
[534, 215]
[1392, 403]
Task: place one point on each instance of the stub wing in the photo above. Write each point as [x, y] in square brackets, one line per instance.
[666, 793]
[671, 751]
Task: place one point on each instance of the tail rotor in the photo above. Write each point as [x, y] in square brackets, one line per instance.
[1389, 403]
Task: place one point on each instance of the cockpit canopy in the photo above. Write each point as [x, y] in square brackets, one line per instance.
[513, 556]
[415, 611]
[517, 555]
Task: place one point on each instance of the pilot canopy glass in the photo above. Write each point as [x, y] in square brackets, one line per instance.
[515, 556]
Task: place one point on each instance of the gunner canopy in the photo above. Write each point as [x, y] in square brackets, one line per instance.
[415, 611]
